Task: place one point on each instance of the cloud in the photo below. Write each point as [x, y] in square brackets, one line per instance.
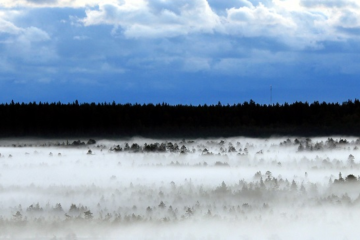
[258, 21]
[30, 44]
[329, 3]
[220, 6]
[299, 23]
[348, 19]
[297, 27]
[51, 3]
[33, 34]
[153, 19]
[8, 27]
[42, 1]
[141, 40]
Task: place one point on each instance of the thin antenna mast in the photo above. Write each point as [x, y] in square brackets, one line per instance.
[270, 95]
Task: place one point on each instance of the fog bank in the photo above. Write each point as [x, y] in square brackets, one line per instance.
[234, 188]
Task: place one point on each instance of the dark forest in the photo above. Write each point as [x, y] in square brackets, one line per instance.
[114, 120]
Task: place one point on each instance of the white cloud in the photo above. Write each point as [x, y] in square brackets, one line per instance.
[8, 27]
[329, 3]
[33, 34]
[246, 39]
[53, 3]
[298, 23]
[258, 21]
[347, 18]
[140, 18]
[26, 43]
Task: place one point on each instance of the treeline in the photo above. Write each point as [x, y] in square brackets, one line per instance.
[164, 120]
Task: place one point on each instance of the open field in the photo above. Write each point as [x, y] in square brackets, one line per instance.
[232, 188]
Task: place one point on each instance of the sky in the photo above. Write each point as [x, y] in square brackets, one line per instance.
[179, 51]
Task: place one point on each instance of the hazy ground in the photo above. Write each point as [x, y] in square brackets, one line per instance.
[234, 188]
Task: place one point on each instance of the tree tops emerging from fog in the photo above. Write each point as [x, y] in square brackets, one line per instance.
[164, 120]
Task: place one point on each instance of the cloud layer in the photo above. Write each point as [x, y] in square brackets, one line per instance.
[134, 42]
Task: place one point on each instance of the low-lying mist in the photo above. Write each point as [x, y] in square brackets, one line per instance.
[234, 188]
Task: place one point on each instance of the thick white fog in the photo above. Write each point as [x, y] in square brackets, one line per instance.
[234, 188]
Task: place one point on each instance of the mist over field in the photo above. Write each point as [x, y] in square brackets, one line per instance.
[230, 188]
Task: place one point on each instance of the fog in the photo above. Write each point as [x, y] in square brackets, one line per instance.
[231, 188]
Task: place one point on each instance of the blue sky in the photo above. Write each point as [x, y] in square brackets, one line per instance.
[179, 51]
